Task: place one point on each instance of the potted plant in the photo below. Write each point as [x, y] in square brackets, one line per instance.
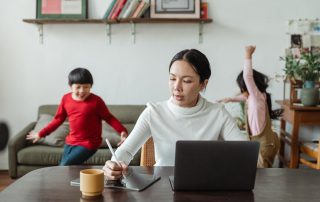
[292, 65]
[309, 72]
[305, 67]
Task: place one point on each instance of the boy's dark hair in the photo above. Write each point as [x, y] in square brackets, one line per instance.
[80, 76]
[197, 59]
[261, 81]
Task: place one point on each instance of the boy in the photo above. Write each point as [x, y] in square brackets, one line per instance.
[85, 112]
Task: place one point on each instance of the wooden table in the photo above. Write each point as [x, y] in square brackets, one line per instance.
[272, 184]
[297, 116]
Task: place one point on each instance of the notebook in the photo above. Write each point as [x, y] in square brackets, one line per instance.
[215, 165]
[133, 181]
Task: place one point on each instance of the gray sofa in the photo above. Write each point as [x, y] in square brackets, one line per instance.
[25, 156]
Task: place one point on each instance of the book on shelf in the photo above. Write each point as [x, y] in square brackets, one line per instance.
[204, 10]
[123, 10]
[144, 5]
[110, 7]
[130, 9]
[113, 9]
[146, 13]
[117, 10]
[143, 10]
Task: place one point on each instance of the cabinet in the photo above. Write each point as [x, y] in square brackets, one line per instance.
[109, 23]
[296, 116]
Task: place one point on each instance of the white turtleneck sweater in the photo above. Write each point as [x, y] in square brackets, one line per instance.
[167, 123]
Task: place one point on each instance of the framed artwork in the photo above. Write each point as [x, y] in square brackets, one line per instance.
[296, 41]
[62, 9]
[175, 8]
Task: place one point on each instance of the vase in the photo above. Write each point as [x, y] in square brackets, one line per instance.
[309, 94]
[309, 84]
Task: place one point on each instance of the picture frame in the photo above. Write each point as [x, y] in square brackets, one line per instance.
[62, 9]
[175, 9]
[296, 41]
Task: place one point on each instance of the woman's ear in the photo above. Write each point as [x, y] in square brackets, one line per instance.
[204, 84]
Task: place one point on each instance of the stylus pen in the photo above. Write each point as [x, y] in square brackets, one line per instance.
[114, 155]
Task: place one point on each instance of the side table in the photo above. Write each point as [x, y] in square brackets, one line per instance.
[297, 116]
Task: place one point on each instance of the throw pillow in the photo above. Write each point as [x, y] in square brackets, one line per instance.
[111, 134]
[57, 137]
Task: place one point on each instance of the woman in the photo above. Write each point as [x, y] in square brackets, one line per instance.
[185, 116]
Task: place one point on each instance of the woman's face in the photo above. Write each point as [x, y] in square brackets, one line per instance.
[184, 84]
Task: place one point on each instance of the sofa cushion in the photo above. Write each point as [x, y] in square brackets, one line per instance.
[126, 113]
[57, 137]
[41, 155]
[112, 135]
[51, 156]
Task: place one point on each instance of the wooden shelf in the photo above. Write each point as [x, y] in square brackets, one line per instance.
[296, 106]
[69, 21]
[108, 23]
[127, 20]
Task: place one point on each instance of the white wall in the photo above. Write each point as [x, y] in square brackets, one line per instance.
[32, 74]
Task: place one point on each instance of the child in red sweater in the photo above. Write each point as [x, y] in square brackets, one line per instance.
[85, 112]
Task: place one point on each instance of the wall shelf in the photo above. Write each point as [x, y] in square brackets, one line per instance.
[108, 23]
[128, 20]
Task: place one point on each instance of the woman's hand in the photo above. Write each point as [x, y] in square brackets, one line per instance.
[113, 171]
[249, 50]
[123, 136]
[34, 136]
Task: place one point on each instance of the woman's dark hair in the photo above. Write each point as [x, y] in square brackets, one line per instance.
[80, 76]
[261, 82]
[197, 59]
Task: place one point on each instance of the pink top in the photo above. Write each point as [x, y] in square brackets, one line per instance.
[256, 101]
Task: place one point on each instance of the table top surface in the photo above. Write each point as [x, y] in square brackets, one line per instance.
[297, 107]
[272, 184]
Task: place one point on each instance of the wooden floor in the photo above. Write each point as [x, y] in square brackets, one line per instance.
[5, 180]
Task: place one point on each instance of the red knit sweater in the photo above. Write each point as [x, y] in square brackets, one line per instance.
[85, 118]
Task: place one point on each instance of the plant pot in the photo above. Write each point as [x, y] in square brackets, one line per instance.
[310, 96]
[309, 84]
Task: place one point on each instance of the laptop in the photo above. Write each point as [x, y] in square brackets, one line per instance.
[215, 165]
